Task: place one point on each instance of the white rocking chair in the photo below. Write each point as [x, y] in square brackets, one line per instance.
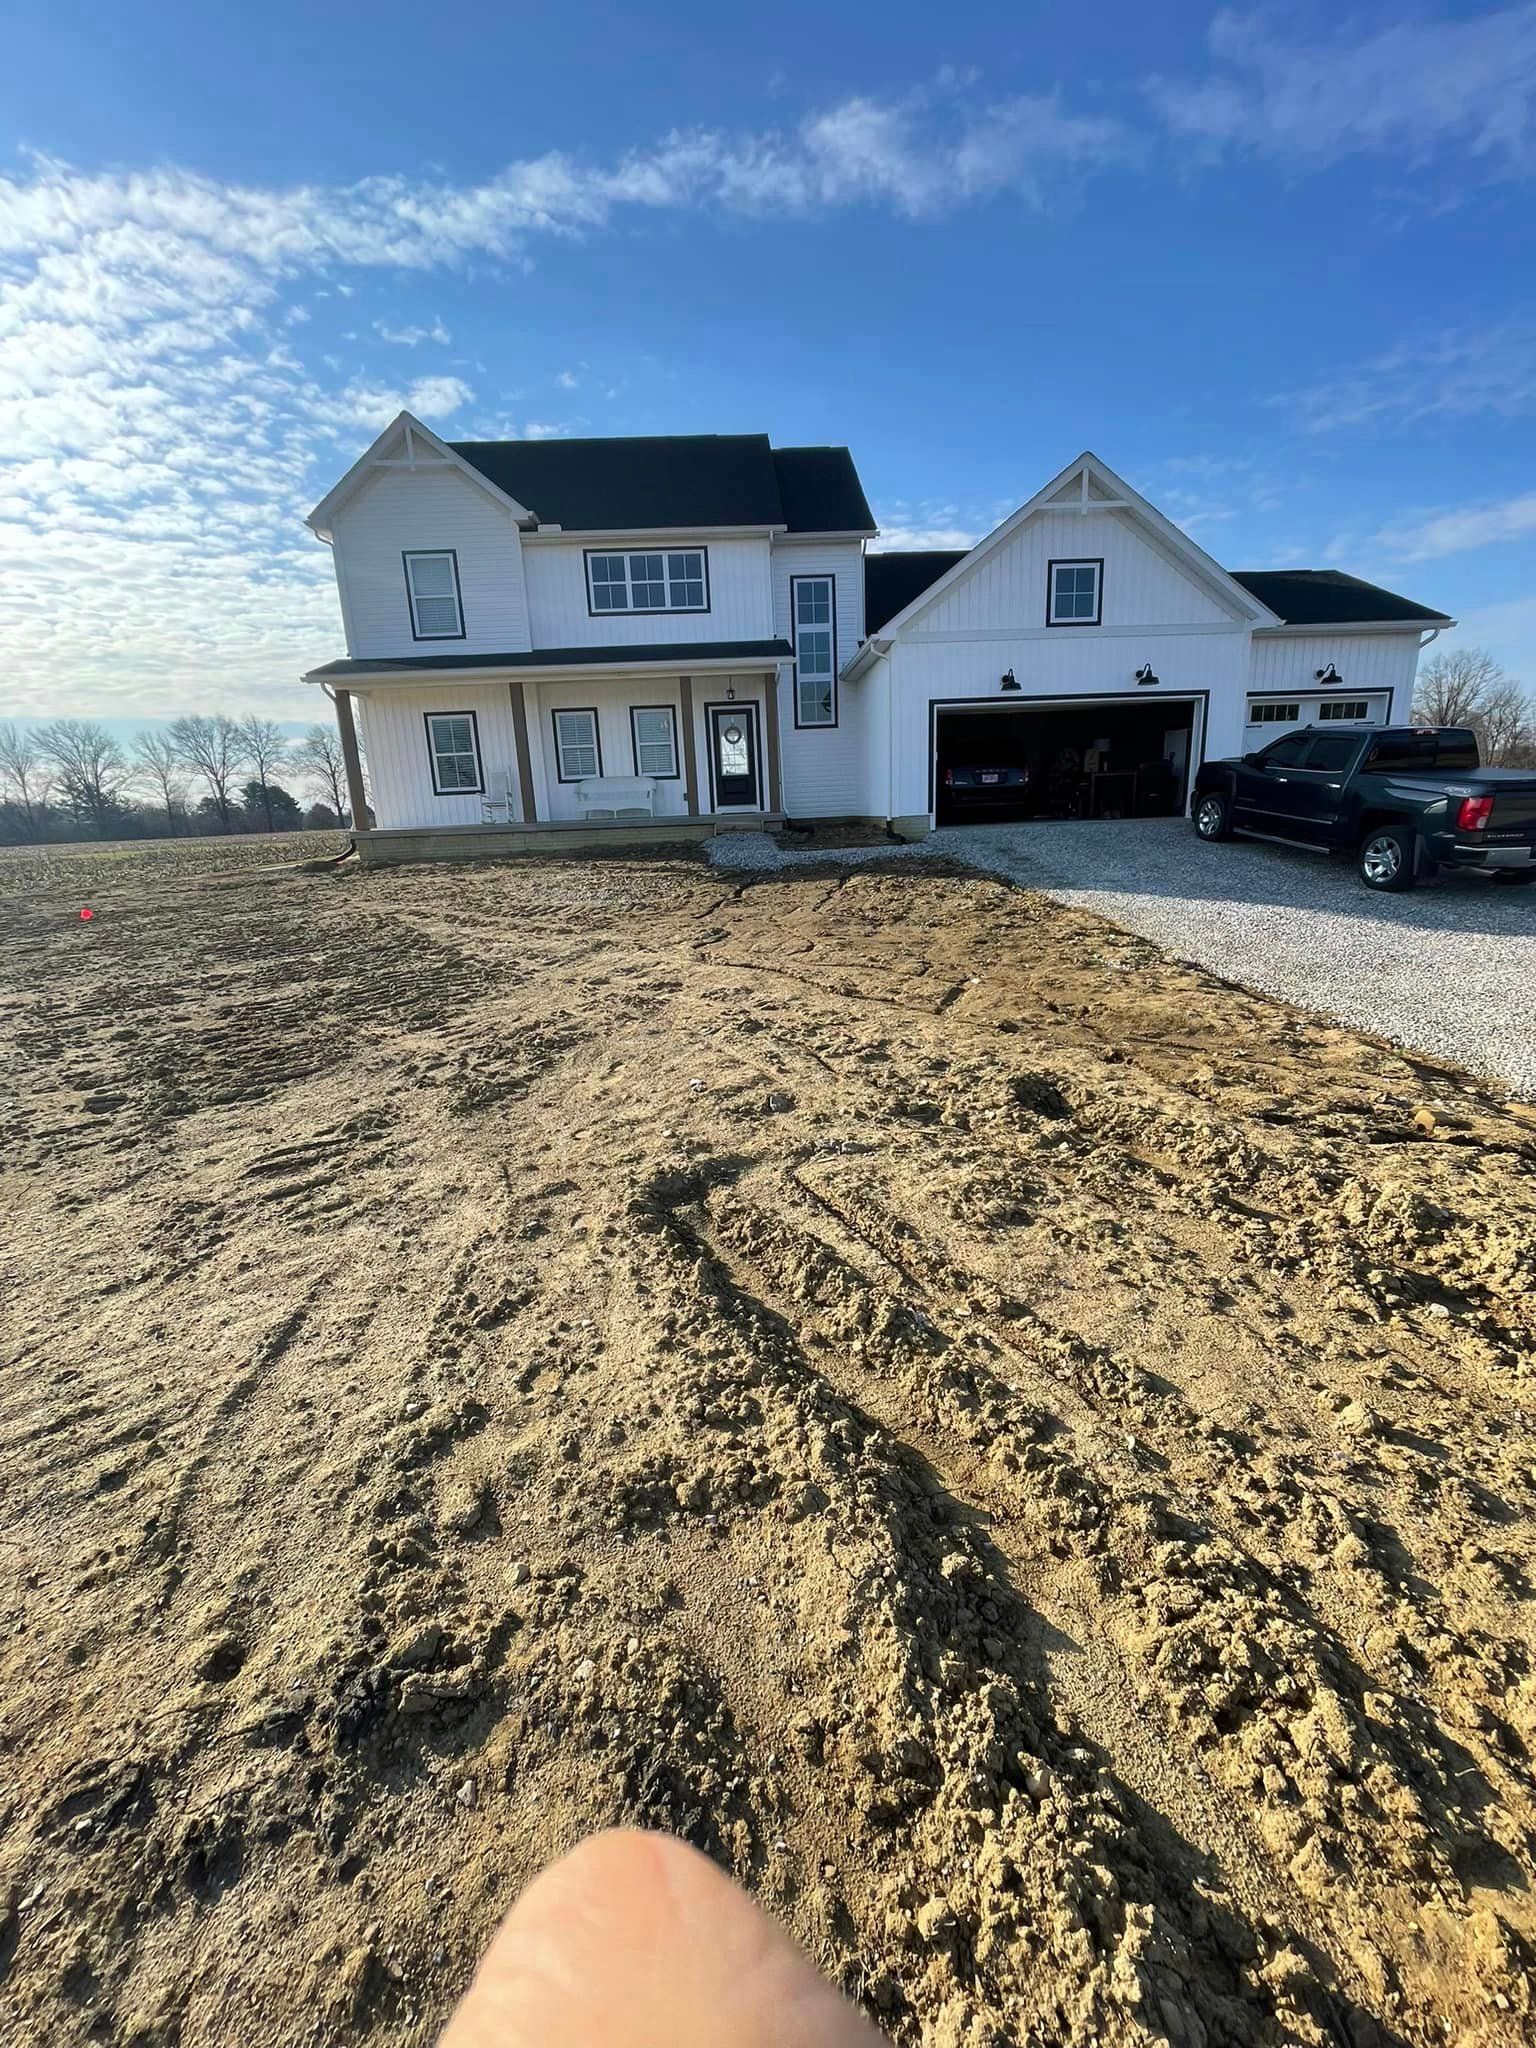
[499, 803]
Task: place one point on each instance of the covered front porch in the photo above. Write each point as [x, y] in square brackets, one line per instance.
[559, 749]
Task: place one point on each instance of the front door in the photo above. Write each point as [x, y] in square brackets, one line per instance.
[733, 757]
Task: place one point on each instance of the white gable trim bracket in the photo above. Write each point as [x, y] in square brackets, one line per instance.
[1098, 490]
[421, 449]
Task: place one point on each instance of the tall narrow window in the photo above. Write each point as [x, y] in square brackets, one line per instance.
[453, 746]
[654, 730]
[576, 750]
[670, 580]
[432, 586]
[1074, 592]
[813, 610]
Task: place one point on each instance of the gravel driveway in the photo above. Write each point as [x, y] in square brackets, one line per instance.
[1448, 969]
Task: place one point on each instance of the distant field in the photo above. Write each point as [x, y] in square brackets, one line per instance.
[89, 863]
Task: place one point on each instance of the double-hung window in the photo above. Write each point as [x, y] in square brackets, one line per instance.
[813, 608]
[453, 745]
[657, 580]
[1074, 593]
[432, 586]
[653, 728]
[576, 749]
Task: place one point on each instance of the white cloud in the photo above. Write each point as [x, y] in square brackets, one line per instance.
[1407, 92]
[160, 438]
[1453, 532]
[568, 380]
[411, 337]
[1452, 373]
[896, 535]
[543, 430]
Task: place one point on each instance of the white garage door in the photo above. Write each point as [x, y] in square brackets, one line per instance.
[1270, 716]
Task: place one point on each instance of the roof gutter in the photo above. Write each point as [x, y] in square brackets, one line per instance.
[868, 652]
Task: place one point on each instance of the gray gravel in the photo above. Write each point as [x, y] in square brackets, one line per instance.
[1448, 969]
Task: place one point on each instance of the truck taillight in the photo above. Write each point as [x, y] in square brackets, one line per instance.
[1474, 814]
[949, 778]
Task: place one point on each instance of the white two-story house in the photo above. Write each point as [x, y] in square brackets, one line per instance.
[571, 634]
[666, 637]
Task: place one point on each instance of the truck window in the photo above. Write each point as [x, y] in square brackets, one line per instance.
[1457, 750]
[1398, 750]
[1333, 752]
[1287, 753]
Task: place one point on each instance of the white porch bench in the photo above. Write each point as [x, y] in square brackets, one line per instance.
[616, 796]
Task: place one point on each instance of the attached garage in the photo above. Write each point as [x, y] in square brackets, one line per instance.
[1269, 714]
[1065, 757]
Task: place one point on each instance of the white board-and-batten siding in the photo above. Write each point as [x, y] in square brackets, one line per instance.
[1007, 590]
[825, 769]
[401, 511]
[739, 607]
[1365, 661]
[393, 729]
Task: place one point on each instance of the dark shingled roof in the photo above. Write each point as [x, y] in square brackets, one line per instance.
[820, 491]
[1327, 597]
[643, 482]
[1302, 597]
[679, 655]
[891, 581]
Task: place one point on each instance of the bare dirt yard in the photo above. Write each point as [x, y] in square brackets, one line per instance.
[1023, 1452]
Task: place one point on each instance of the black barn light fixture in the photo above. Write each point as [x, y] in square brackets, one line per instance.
[1008, 680]
[1144, 674]
[1328, 675]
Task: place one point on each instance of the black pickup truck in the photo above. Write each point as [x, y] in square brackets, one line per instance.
[1405, 799]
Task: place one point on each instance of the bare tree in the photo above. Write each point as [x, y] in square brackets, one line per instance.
[215, 749]
[266, 750]
[92, 768]
[1452, 686]
[158, 761]
[1505, 722]
[320, 758]
[25, 781]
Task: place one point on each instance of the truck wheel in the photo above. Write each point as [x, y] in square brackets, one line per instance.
[1213, 819]
[1386, 857]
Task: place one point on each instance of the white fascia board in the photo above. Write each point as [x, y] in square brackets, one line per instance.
[1300, 632]
[641, 536]
[789, 540]
[411, 430]
[449, 679]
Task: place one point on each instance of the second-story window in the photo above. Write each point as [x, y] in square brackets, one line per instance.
[813, 609]
[432, 586]
[1074, 593]
[657, 580]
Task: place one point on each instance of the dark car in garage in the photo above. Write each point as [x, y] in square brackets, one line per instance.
[976, 785]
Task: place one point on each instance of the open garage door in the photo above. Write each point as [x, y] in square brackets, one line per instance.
[1275, 712]
[1063, 758]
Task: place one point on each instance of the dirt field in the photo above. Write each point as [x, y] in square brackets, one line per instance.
[1024, 1453]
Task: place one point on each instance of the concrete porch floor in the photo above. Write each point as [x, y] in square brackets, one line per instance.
[562, 835]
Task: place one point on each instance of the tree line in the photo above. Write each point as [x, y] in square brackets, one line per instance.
[70, 779]
[1468, 687]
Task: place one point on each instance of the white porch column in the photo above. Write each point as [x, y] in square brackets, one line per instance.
[690, 746]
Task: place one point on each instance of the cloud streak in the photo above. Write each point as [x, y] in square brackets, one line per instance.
[1410, 91]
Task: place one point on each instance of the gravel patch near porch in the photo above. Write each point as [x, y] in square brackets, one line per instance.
[1447, 969]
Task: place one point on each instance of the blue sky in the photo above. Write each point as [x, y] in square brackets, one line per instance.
[1277, 270]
